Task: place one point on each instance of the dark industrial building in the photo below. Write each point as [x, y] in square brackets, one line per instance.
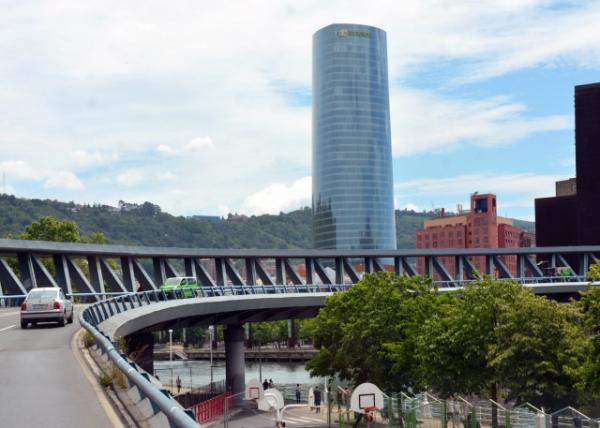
[571, 217]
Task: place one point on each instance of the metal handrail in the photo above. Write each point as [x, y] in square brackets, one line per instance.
[228, 290]
[167, 405]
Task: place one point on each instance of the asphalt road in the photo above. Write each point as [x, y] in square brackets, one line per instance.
[41, 382]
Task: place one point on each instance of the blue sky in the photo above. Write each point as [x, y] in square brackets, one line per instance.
[204, 108]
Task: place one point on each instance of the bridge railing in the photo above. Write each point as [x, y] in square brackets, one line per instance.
[162, 400]
[115, 268]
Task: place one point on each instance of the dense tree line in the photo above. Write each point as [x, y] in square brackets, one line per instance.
[147, 224]
[493, 339]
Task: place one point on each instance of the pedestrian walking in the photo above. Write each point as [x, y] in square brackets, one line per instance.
[317, 400]
[271, 384]
[265, 385]
[178, 383]
[297, 393]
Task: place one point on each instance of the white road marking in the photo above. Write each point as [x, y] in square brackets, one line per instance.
[7, 328]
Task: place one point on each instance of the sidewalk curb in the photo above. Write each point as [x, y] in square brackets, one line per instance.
[118, 414]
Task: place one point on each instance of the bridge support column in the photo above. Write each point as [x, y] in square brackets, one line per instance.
[235, 376]
[140, 348]
[292, 338]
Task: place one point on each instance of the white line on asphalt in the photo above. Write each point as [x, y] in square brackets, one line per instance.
[7, 328]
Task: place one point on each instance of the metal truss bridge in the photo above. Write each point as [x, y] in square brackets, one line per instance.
[106, 269]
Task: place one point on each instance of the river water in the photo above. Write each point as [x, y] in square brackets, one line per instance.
[197, 372]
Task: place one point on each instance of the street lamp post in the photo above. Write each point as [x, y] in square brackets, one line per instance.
[171, 354]
[211, 330]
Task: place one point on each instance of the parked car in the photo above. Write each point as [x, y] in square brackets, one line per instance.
[185, 283]
[46, 304]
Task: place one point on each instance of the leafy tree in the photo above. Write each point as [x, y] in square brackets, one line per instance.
[368, 333]
[590, 307]
[269, 332]
[51, 229]
[498, 337]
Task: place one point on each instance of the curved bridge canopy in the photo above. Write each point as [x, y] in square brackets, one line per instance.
[215, 310]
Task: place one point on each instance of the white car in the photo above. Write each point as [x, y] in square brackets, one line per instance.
[46, 304]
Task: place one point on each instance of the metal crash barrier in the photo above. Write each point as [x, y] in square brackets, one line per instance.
[176, 415]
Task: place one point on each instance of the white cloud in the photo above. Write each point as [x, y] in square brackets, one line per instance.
[411, 207]
[524, 183]
[166, 149]
[129, 81]
[85, 159]
[425, 122]
[19, 170]
[131, 177]
[279, 197]
[166, 176]
[199, 144]
[64, 180]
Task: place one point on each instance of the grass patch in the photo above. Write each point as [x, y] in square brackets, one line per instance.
[88, 339]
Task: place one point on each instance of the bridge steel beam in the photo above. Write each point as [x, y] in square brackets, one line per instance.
[320, 271]
[291, 274]
[584, 263]
[78, 277]
[262, 274]
[96, 277]
[429, 266]
[202, 275]
[504, 271]
[349, 270]
[221, 276]
[250, 270]
[128, 273]
[232, 273]
[309, 268]
[26, 270]
[535, 270]
[111, 278]
[63, 277]
[142, 276]
[189, 267]
[441, 270]
[42, 276]
[170, 270]
[10, 280]
[32, 272]
[159, 270]
[408, 267]
[459, 268]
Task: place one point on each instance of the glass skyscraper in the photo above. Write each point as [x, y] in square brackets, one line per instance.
[352, 199]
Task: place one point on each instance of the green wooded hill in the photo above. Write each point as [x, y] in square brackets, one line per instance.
[147, 224]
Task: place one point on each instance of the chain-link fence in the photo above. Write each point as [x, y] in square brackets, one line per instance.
[426, 411]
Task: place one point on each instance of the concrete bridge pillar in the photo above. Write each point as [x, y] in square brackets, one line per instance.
[235, 376]
[140, 348]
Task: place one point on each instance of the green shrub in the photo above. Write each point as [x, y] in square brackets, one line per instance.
[88, 340]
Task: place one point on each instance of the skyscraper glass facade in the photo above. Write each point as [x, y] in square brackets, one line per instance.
[353, 203]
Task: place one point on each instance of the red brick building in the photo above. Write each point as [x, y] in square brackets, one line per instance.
[479, 227]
